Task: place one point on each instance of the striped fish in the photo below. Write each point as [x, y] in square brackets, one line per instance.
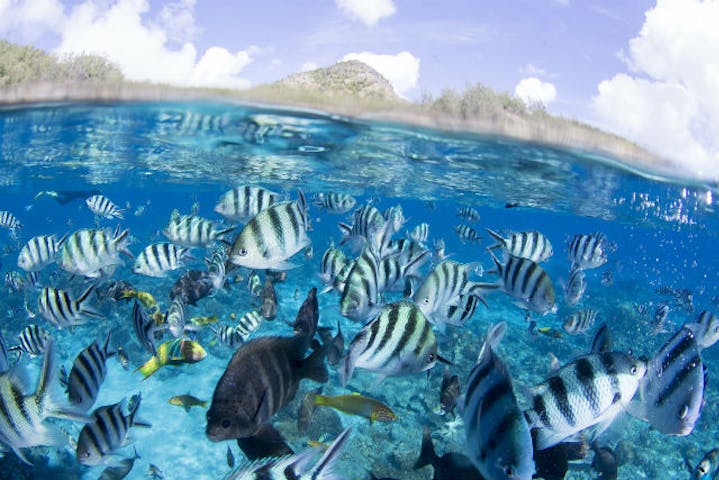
[242, 203]
[216, 267]
[531, 245]
[467, 233]
[300, 466]
[248, 324]
[340, 280]
[87, 374]
[159, 258]
[406, 250]
[672, 392]
[394, 217]
[272, 236]
[106, 433]
[8, 220]
[334, 202]
[254, 284]
[22, 416]
[175, 318]
[580, 322]
[576, 286]
[193, 231]
[468, 213]
[706, 329]
[591, 390]
[33, 340]
[400, 341]
[93, 253]
[102, 206]
[4, 361]
[361, 296]
[59, 308]
[443, 288]
[144, 328]
[498, 440]
[459, 314]
[39, 252]
[227, 335]
[420, 233]
[394, 272]
[332, 262]
[527, 282]
[588, 250]
[368, 228]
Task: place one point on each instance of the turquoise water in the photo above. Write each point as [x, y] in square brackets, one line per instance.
[152, 158]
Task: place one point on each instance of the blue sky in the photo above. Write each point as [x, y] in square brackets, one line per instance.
[586, 59]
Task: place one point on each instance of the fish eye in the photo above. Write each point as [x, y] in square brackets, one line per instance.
[509, 471]
[634, 369]
[430, 358]
[242, 252]
[225, 424]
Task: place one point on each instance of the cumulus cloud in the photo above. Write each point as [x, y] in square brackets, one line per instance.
[532, 91]
[402, 70]
[368, 12]
[156, 49]
[671, 102]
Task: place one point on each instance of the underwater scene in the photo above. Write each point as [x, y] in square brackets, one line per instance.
[210, 290]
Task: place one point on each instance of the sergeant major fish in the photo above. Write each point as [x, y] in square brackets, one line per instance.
[468, 213]
[498, 440]
[8, 220]
[93, 253]
[193, 231]
[242, 203]
[334, 202]
[87, 374]
[527, 282]
[588, 250]
[33, 340]
[531, 245]
[272, 236]
[159, 258]
[579, 322]
[576, 286]
[467, 233]
[102, 206]
[39, 252]
[59, 308]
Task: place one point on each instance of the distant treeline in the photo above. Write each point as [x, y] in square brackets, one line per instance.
[22, 64]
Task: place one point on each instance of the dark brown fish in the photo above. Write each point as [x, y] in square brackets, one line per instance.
[269, 300]
[450, 466]
[191, 287]
[448, 392]
[308, 315]
[260, 379]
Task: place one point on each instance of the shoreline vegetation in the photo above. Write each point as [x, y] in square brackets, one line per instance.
[352, 89]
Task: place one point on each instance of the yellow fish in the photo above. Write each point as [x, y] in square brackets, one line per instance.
[187, 401]
[145, 298]
[174, 352]
[357, 404]
[202, 321]
[550, 332]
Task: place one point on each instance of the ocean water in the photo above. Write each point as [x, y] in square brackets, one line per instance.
[152, 158]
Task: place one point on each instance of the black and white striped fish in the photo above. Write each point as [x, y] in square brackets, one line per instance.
[22, 417]
[406, 250]
[400, 341]
[227, 335]
[242, 203]
[361, 295]
[588, 250]
[193, 231]
[93, 253]
[87, 374]
[368, 228]
[526, 282]
[394, 272]
[576, 286]
[106, 433]
[299, 466]
[39, 252]
[334, 202]
[248, 324]
[468, 213]
[33, 340]
[466, 233]
[8, 220]
[706, 329]
[175, 318]
[672, 392]
[333, 260]
[591, 390]
[102, 206]
[144, 327]
[62, 310]
[159, 258]
[498, 440]
[272, 236]
[419, 233]
[531, 245]
[395, 218]
[579, 322]
[254, 284]
[459, 314]
[444, 287]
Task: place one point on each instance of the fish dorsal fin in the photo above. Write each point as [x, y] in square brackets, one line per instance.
[602, 341]
[495, 333]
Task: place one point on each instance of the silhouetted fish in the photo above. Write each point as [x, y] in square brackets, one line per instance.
[191, 287]
[450, 466]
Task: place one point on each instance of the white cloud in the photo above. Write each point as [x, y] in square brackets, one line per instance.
[368, 12]
[30, 18]
[307, 66]
[532, 90]
[402, 70]
[671, 104]
[220, 68]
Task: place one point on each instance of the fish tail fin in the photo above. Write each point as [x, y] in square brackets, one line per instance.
[149, 367]
[427, 455]
[321, 400]
[324, 469]
[314, 366]
[46, 397]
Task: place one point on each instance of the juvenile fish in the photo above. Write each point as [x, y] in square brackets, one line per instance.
[102, 206]
[254, 284]
[576, 286]
[467, 233]
[33, 340]
[449, 391]
[8, 220]
[468, 213]
[579, 322]
[187, 401]
[588, 250]
[269, 300]
[242, 203]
